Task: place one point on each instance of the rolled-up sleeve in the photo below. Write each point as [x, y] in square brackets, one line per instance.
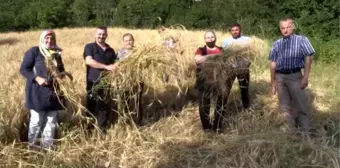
[273, 54]
[306, 47]
[88, 50]
[26, 68]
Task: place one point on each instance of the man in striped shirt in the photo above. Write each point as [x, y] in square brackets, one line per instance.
[288, 56]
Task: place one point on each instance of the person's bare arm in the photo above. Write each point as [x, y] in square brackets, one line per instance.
[94, 64]
[200, 59]
[308, 65]
[272, 76]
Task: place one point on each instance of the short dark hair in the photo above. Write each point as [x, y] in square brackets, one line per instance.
[284, 19]
[235, 25]
[102, 28]
[128, 34]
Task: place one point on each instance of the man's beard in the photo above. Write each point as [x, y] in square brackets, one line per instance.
[211, 44]
[236, 36]
[101, 40]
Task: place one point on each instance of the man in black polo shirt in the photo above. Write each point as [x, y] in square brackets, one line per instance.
[99, 57]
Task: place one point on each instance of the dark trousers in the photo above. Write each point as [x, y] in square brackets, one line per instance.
[207, 92]
[220, 109]
[138, 104]
[100, 107]
[243, 80]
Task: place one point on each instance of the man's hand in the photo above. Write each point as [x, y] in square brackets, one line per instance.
[304, 83]
[273, 87]
[111, 67]
[41, 81]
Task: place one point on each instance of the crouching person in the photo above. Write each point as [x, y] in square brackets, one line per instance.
[41, 65]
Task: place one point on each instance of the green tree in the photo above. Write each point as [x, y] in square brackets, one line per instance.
[129, 14]
[81, 12]
[104, 11]
[52, 13]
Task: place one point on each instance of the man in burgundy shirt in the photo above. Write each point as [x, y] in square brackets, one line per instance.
[201, 55]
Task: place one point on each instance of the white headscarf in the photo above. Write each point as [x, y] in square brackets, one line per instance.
[44, 50]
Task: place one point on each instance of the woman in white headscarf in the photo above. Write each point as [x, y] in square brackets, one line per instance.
[41, 65]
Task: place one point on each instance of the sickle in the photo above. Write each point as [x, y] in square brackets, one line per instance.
[61, 74]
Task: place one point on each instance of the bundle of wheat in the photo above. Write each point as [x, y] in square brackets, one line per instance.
[143, 71]
[71, 98]
[219, 71]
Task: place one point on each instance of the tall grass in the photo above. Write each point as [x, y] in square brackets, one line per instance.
[171, 135]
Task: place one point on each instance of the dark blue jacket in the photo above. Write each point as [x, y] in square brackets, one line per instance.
[38, 98]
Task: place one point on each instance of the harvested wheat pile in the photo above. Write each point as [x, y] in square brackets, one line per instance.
[147, 64]
[151, 65]
[219, 71]
[72, 99]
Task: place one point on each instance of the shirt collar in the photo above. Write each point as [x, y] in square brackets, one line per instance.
[288, 38]
[106, 46]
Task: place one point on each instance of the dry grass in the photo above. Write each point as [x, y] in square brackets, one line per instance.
[170, 137]
[218, 70]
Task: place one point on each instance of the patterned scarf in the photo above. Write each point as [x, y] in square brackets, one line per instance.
[48, 52]
[45, 51]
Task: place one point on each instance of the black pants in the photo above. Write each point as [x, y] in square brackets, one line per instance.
[206, 92]
[243, 80]
[220, 109]
[102, 108]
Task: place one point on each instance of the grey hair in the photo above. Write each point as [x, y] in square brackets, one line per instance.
[128, 34]
[210, 31]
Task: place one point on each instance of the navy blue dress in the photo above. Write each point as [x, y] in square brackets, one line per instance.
[39, 98]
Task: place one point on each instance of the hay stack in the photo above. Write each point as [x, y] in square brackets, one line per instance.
[73, 100]
[220, 71]
[147, 64]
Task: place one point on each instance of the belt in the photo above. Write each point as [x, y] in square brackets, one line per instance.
[288, 71]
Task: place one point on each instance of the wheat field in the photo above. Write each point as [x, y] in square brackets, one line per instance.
[171, 135]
